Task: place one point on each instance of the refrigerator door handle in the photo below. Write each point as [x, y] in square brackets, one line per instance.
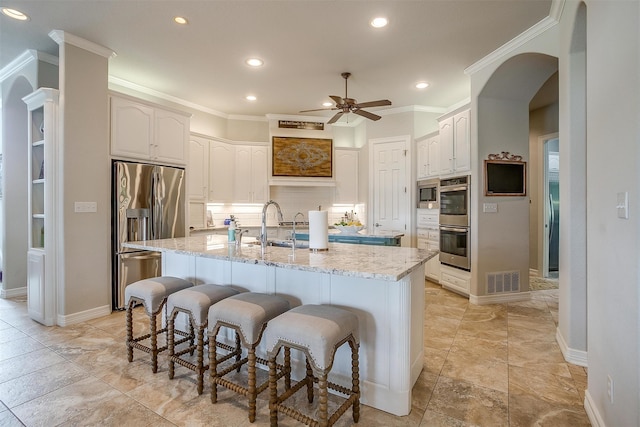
[551, 216]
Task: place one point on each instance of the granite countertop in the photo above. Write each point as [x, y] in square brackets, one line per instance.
[363, 261]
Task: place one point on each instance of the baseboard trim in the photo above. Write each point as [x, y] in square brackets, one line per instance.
[592, 411]
[12, 293]
[499, 299]
[83, 316]
[573, 356]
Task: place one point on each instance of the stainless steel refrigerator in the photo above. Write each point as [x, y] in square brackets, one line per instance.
[148, 202]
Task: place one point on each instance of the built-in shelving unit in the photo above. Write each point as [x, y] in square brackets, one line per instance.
[42, 106]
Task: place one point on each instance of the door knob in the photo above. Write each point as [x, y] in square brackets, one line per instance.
[376, 224]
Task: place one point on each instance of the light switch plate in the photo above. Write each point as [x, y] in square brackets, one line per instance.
[623, 205]
[83, 207]
[489, 207]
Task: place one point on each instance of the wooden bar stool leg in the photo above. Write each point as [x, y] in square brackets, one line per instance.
[309, 380]
[287, 368]
[322, 401]
[200, 359]
[171, 344]
[355, 379]
[213, 364]
[130, 331]
[251, 369]
[154, 343]
[273, 393]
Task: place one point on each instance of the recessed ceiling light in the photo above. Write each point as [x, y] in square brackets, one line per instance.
[15, 14]
[379, 22]
[327, 104]
[180, 20]
[251, 98]
[254, 62]
[422, 85]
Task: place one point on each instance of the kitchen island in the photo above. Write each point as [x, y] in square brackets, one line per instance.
[383, 286]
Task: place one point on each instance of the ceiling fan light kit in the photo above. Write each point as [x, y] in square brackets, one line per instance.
[350, 105]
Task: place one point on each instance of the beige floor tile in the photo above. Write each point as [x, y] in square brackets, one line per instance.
[19, 347]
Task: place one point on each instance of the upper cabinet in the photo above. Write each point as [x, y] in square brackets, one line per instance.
[455, 144]
[147, 132]
[251, 174]
[222, 158]
[428, 150]
[346, 175]
[198, 168]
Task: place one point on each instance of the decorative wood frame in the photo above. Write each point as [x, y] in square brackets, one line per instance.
[302, 157]
[505, 158]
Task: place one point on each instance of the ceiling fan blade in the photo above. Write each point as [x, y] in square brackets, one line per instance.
[338, 100]
[335, 118]
[318, 109]
[367, 114]
[378, 103]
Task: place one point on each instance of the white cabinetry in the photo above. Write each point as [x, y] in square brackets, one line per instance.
[455, 279]
[146, 132]
[42, 106]
[346, 176]
[251, 179]
[428, 149]
[429, 238]
[198, 168]
[454, 145]
[221, 171]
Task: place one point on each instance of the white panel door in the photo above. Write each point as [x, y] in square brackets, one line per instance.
[390, 196]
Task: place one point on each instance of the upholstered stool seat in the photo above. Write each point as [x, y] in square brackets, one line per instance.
[318, 331]
[195, 303]
[152, 294]
[247, 314]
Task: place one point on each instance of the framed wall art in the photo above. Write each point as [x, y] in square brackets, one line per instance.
[302, 157]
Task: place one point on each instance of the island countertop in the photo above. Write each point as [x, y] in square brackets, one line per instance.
[363, 261]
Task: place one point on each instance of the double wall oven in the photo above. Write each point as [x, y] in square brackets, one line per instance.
[455, 233]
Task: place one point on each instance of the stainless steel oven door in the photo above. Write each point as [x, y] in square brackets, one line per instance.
[455, 245]
[454, 205]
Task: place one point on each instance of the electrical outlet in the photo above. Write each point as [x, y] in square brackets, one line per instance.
[610, 388]
[489, 207]
[83, 207]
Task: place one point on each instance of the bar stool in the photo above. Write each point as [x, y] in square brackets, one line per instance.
[195, 303]
[152, 293]
[318, 331]
[247, 314]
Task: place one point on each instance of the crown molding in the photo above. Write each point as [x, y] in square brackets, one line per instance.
[60, 37]
[23, 60]
[515, 43]
[247, 118]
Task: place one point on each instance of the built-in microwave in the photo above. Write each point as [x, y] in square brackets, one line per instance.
[428, 193]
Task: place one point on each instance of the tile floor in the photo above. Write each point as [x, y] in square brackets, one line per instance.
[496, 365]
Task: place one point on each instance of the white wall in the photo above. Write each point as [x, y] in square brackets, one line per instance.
[84, 251]
[612, 158]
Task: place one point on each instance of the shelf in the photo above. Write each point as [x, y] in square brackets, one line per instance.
[38, 181]
[38, 143]
[40, 216]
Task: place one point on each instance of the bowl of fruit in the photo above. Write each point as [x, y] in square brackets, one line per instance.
[349, 227]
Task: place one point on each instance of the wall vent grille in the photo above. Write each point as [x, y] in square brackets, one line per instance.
[503, 281]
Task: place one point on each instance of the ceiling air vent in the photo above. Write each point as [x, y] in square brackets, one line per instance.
[503, 281]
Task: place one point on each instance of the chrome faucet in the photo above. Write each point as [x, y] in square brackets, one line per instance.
[263, 230]
[293, 232]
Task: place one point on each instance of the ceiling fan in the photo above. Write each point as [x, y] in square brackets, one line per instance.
[350, 105]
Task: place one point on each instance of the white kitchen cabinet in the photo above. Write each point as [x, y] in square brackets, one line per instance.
[346, 175]
[221, 171]
[428, 157]
[455, 280]
[145, 132]
[43, 174]
[429, 238]
[251, 177]
[171, 134]
[198, 169]
[454, 144]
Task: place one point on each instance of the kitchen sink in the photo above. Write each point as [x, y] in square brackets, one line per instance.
[288, 243]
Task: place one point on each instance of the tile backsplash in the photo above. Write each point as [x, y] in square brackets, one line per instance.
[291, 200]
